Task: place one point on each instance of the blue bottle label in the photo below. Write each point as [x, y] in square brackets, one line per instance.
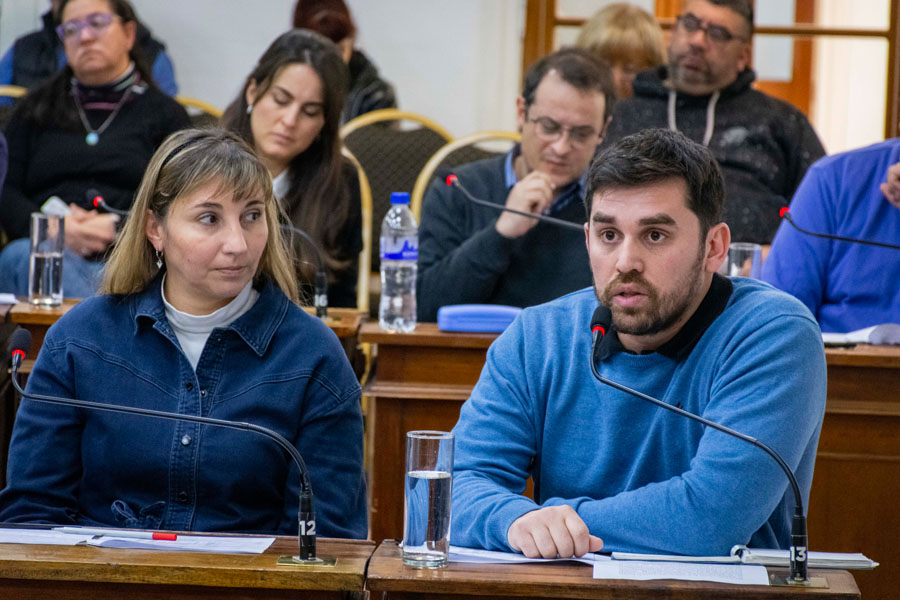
[399, 248]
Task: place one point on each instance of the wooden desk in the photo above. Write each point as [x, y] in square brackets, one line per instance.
[344, 322]
[421, 381]
[387, 575]
[424, 377]
[82, 572]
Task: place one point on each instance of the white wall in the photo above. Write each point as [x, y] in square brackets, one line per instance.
[456, 61]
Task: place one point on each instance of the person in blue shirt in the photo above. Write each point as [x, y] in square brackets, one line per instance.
[847, 286]
[37, 56]
[198, 316]
[609, 469]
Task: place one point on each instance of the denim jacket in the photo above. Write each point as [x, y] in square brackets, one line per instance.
[275, 366]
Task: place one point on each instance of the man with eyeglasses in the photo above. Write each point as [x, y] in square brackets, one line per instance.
[764, 145]
[476, 254]
[35, 57]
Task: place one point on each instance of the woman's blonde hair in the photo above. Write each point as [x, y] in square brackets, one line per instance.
[623, 33]
[185, 162]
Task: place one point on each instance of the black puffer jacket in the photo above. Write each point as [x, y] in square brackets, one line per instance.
[368, 91]
[764, 145]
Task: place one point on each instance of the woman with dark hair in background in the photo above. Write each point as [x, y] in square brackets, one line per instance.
[331, 18]
[89, 130]
[289, 111]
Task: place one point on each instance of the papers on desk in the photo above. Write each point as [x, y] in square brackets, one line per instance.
[184, 543]
[606, 567]
[8, 299]
[884, 334]
[643, 570]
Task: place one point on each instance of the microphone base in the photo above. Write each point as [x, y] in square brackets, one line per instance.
[285, 560]
[782, 578]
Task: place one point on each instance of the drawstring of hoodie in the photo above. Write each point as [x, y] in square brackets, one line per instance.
[710, 115]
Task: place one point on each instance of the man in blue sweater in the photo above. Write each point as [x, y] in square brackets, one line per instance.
[475, 254]
[847, 286]
[609, 469]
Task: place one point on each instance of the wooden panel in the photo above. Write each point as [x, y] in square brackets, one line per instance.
[388, 575]
[32, 571]
[797, 90]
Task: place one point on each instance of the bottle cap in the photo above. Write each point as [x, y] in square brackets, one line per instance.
[399, 198]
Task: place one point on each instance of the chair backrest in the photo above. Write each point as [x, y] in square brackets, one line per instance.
[365, 255]
[392, 146]
[202, 113]
[11, 94]
[459, 152]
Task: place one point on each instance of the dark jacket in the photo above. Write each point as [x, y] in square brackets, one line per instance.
[764, 145]
[35, 56]
[463, 259]
[275, 366]
[48, 161]
[368, 91]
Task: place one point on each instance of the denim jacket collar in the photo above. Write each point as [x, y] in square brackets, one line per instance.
[256, 327]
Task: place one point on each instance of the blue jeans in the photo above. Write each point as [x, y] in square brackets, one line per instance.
[81, 277]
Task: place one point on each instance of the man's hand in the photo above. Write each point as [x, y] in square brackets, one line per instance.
[554, 531]
[88, 231]
[532, 194]
[891, 187]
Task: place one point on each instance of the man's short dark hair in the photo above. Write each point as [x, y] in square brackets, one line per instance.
[577, 67]
[655, 155]
[741, 7]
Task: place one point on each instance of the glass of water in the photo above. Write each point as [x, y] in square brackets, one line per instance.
[744, 260]
[429, 483]
[46, 260]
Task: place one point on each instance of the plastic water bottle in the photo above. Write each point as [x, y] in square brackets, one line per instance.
[399, 252]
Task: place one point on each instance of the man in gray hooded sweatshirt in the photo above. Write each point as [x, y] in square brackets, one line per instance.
[763, 144]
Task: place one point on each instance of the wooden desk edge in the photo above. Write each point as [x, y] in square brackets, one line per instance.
[129, 565]
[385, 564]
[425, 334]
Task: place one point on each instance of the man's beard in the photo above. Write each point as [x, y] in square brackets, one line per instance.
[681, 75]
[660, 311]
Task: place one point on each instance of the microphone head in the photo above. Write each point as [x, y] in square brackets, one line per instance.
[20, 342]
[451, 179]
[95, 197]
[784, 211]
[601, 320]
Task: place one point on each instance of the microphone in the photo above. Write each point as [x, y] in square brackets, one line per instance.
[97, 200]
[19, 344]
[452, 180]
[799, 567]
[321, 285]
[785, 213]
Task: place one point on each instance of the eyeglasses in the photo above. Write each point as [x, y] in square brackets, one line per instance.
[550, 131]
[714, 33]
[70, 30]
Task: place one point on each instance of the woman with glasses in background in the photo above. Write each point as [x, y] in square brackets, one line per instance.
[289, 110]
[88, 131]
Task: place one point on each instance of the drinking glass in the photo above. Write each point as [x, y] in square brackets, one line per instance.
[429, 483]
[45, 262]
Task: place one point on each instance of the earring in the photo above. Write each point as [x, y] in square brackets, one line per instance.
[249, 108]
[159, 259]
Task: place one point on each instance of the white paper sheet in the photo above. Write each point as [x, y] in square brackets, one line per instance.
[7, 299]
[473, 555]
[40, 536]
[639, 570]
[190, 543]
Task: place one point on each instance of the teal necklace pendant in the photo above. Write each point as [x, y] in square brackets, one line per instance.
[92, 138]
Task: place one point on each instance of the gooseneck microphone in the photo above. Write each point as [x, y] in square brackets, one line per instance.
[785, 213]
[321, 285]
[19, 344]
[452, 180]
[799, 567]
[99, 202]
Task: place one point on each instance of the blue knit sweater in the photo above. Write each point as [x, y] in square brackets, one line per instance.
[642, 478]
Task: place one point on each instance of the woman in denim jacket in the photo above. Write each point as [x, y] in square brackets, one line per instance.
[199, 317]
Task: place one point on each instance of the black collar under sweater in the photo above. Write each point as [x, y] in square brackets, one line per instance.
[681, 345]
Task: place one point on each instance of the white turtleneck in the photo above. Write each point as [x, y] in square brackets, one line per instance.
[192, 331]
